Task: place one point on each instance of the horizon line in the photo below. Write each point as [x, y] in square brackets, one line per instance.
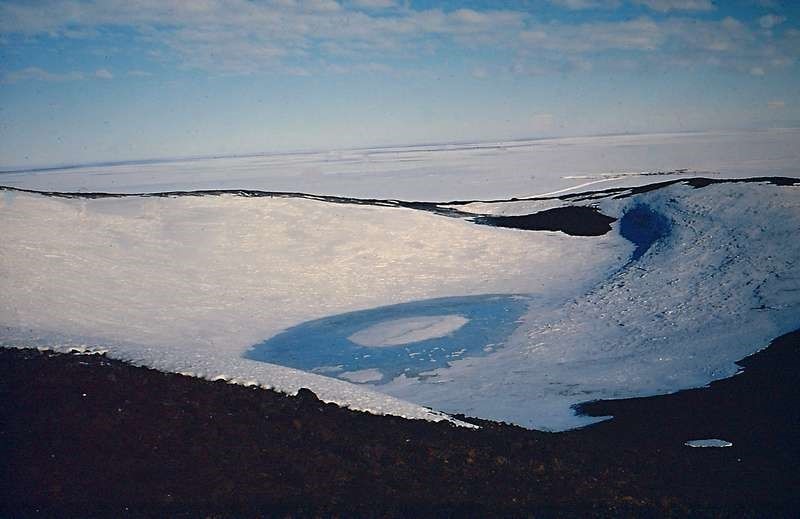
[304, 151]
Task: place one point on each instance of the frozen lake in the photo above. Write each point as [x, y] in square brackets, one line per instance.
[406, 339]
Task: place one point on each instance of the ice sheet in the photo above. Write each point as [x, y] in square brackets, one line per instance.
[481, 171]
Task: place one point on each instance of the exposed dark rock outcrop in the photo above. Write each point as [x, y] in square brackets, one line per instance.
[86, 436]
[574, 220]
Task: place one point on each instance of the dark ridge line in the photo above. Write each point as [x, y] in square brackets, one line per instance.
[626, 192]
[695, 182]
[438, 207]
[253, 193]
[571, 220]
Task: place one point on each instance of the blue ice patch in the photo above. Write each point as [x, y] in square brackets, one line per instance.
[323, 345]
[644, 227]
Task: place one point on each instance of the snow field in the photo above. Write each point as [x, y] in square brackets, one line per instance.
[187, 284]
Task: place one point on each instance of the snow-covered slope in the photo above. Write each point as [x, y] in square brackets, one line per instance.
[718, 286]
[191, 283]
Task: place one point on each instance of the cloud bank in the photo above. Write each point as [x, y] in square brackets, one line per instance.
[303, 37]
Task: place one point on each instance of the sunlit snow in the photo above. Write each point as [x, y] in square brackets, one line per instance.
[414, 308]
[363, 376]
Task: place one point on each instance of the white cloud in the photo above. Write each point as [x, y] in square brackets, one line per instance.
[656, 5]
[37, 74]
[359, 68]
[523, 68]
[769, 21]
[480, 73]
[239, 35]
[374, 4]
[286, 36]
[641, 34]
[757, 71]
[776, 104]
[576, 5]
[676, 5]
[103, 74]
[321, 5]
[654, 43]
[139, 73]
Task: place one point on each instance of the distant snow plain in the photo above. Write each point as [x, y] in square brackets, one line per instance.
[190, 284]
[480, 171]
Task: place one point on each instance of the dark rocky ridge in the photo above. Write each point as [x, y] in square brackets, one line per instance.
[578, 220]
[84, 436]
[574, 220]
[620, 192]
[696, 183]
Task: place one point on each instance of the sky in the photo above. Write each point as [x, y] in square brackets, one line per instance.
[115, 80]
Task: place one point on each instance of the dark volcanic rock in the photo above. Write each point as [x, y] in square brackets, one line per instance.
[83, 435]
[572, 220]
[306, 395]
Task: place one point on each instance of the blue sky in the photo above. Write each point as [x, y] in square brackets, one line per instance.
[84, 81]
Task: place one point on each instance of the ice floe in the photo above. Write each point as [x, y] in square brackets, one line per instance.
[711, 442]
[408, 330]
